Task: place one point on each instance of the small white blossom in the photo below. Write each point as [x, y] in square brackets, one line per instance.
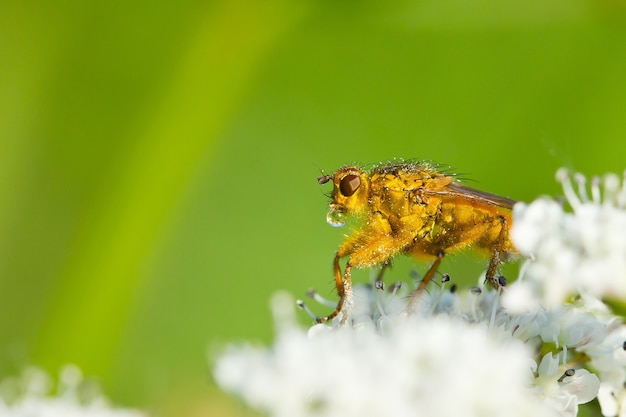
[521, 297]
[29, 396]
[572, 327]
[564, 388]
[609, 359]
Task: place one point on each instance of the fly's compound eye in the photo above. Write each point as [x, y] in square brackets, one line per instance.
[349, 184]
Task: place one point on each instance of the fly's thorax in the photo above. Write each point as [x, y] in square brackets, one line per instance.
[408, 189]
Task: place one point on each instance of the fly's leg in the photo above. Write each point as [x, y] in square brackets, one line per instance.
[496, 259]
[427, 278]
[343, 282]
[492, 269]
[363, 252]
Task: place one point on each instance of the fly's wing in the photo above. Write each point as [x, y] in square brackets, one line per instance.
[457, 190]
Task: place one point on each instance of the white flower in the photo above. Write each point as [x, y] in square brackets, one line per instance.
[609, 359]
[564, 388]
[573, 328]
[434, 366]
[28, 396]
[581, 251]
[449, 342]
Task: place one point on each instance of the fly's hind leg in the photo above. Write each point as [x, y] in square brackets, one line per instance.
[496, 256]
[492, 269]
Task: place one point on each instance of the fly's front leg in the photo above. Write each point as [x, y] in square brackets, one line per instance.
[343, 282]
[364, 252]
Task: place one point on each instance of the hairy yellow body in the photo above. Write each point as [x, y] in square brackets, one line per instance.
[415, 209]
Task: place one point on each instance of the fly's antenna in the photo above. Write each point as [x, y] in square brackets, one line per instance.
[323, 179]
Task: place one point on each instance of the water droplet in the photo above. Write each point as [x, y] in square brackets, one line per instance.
[335, 217]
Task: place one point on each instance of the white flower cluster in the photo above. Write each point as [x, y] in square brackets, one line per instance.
[579, 251]
[537, 350]
[29, 396]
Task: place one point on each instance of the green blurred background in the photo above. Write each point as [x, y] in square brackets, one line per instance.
[158, 160]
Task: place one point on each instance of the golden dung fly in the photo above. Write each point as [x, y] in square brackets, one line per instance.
[416, 209]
